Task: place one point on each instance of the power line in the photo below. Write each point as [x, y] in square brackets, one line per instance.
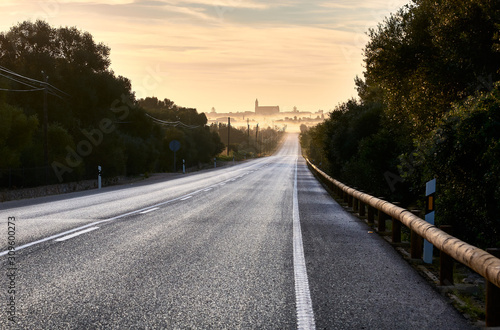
[47, 89]
[19, 75]
[21, 90]
[172, 123]
[19, 79]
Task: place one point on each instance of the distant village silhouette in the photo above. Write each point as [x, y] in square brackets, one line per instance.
[268, 115]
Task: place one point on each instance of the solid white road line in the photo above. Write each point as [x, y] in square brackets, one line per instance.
[150, 210]
[305, 314]
[76, 234]
[185, 198]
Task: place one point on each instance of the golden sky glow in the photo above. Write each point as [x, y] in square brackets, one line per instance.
[224, 53]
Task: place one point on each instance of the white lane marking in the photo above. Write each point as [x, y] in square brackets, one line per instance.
[222, 183]
[150, 210]
[305, 314]
[185, 198]
[208, 189]
[21, 247]
[76, 234]
[52, 237]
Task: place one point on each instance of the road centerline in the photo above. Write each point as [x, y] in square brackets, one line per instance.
[78, 233]
[53, 237]
[150, 210]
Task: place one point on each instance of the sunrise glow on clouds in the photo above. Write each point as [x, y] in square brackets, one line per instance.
[224, 53]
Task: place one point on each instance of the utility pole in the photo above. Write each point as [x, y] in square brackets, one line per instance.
[256, 138]
[45, 130]
[262, 147]
[248, 129]
[228, 130]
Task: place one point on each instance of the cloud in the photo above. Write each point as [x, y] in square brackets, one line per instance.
[224, 52]
[377, 5]
[226, 3]
[346, 15]
[150, 11]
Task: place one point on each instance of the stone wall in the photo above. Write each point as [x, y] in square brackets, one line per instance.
[14, 194]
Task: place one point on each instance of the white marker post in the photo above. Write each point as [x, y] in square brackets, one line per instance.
[215, 162]
[183, 166]
[99, 173]
[430, 190]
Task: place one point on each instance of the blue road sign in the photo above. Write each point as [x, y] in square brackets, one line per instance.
[174, 145]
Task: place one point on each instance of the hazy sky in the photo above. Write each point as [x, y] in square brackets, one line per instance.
[224, 53]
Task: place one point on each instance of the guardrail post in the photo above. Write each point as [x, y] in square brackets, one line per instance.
[349, 200]
[416, 241]
[396, 231]
[492, 298]
[355, 204]
[396, 228]
[381, 221]
[371, 215]
[362, 209]
[346, 197]
[445, 262]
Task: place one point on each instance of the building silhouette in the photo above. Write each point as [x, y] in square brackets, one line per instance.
[266, 110]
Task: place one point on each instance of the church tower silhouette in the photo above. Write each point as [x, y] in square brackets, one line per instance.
[266, 110]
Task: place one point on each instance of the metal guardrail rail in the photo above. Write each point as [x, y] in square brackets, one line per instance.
[482, 262]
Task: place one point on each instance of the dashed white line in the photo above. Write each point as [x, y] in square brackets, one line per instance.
[185, 198]
[18, 248]
[55, 236]
[76, 234]
[150, 210]
[208, 189]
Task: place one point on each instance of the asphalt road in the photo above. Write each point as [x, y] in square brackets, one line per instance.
[258, 245]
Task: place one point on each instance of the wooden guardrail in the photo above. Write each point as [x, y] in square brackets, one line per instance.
[482, 262]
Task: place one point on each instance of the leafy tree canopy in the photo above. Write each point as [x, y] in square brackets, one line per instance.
[93, 116]
[428, 107]
[430, 54]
